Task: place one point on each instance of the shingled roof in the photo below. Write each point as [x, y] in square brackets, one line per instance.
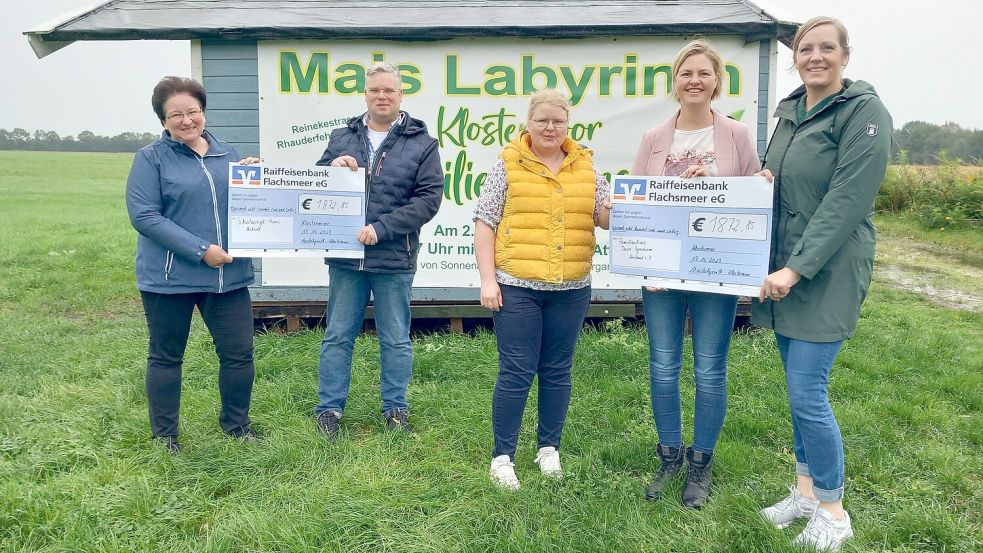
[410, 20]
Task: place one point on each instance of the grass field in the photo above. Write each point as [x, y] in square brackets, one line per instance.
[78, 473]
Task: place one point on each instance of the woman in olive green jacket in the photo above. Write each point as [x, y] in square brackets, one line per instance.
[827, 157]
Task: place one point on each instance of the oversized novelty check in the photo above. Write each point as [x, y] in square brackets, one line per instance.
[709, 234]
[290, 211]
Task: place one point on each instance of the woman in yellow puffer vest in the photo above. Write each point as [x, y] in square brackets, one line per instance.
[534, 240]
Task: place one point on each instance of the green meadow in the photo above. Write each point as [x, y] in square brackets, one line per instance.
[79, 473]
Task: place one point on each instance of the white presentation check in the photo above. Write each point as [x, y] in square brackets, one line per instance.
[709, 234]
[289, 211]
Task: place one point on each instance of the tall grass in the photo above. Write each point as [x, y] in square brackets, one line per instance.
[78, 472]
[946, 196]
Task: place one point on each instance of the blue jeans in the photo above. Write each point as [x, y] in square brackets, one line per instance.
[348, 296]
[817, 439]
[537, 333]
[713, 323]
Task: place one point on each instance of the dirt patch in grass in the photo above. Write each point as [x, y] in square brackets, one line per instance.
[945, 277]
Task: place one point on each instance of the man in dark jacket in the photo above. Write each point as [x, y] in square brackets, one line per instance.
[403, 185]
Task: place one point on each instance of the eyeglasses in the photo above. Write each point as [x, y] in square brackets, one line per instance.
[545, 123]
[178, 116]
[381, 91]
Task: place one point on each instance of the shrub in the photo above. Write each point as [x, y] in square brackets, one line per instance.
[948, 195]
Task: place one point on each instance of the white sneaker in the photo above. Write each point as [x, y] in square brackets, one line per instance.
[824, 532]
[548, 460]
[503, 473]
[794, 506]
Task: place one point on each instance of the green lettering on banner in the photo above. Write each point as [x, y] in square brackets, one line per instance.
[630, 70]
[291, 72]
[491, 129]
[350, 78]
[630, 77]
[448, 131]
[408, 74]
[459, 182]
[530, 71]
[441, 230]
[314, 73]
[650, 73]
[577, 87]
[452, 88]
[607, 73]
[503, 84]
[733, 79]
[347, 78]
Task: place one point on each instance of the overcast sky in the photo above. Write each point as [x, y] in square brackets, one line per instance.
[919, 55]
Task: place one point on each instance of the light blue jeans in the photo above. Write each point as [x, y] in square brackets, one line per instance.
[348, 296]
[713, 323]
[816, 435]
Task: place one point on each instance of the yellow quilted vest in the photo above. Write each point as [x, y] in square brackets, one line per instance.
[547, 227]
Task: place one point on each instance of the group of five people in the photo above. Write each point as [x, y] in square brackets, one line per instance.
[534, 242]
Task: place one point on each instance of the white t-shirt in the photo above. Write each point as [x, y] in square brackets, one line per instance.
[375, 140]
[691, 148]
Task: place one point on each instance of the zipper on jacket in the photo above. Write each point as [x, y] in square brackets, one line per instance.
[378, 166]
[368, 186]
[774, 246]
[781, 163]
[218, 220]
[374, 170]
[168, 263]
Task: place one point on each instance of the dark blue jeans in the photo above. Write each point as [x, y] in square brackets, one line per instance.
[348, 296]
[815, 432]
[229, 318]
[537, 334]
[712, 316]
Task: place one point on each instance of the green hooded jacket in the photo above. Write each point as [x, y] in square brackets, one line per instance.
[827, 169]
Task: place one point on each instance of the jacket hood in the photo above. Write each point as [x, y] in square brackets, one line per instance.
[851, 89]
[409, 125]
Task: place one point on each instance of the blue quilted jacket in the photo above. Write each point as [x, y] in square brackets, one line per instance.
[403, 188]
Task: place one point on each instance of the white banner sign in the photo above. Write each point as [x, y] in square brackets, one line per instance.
[473, 95]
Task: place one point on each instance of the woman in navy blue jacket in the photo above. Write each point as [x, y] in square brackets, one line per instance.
[177, 199]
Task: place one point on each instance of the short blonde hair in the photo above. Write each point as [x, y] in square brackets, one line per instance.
[550, 97]
[383, 67]
[696, 48]
[841, 32]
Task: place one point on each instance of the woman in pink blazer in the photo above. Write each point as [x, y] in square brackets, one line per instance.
[695, 142]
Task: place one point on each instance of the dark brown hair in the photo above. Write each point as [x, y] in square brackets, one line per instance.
[170, 86]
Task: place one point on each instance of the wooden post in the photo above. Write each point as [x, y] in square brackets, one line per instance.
[293, 324]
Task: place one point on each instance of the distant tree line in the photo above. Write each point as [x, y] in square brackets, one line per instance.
[917, 142]
[921, 143]
[19, 139]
